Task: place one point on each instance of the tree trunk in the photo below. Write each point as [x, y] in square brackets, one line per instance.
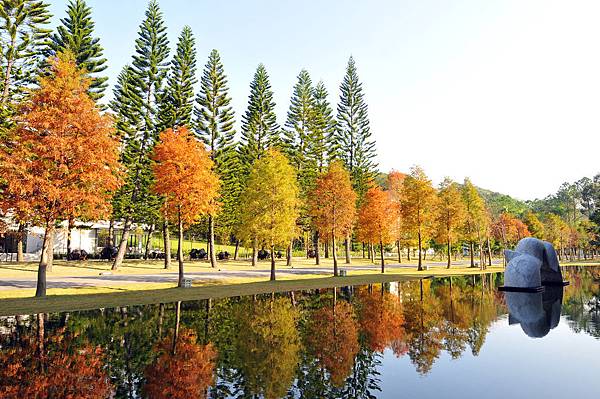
[41, 333]
[237, 249]
[382, 258]
[408, 253]
[347, 245]
[167, 244]
[161, 315]
[334, 253]
[122, 245]
[472, 250]
[420, 267]
[254, 253]
[399, 252]
[327, 249]
[317, 249]
[111, 233]
[449, 248]
[176, 332]
[489, 250]
[180, 249]
[148, 241]
[20, 237]
[272, 263]
[70, 225]
[481, 260]
[45, 263]
[211, 241]
[288, 254]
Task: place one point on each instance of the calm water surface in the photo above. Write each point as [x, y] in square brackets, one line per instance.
[433, 338]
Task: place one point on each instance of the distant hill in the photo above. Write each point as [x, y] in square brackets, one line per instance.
[499, 203]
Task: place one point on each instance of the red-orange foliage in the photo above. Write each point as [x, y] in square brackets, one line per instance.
[394, 190]
[56, 372]
[333, 205]
[187, 374]
[381, 321]
[333, 339]
[184, 176]
[333, 202]
[509, 230]
[63, 161]
[375, 217]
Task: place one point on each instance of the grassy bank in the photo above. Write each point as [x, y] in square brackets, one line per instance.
[59, 303]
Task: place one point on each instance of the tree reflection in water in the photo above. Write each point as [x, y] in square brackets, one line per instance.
[319, 343]
[52, 366]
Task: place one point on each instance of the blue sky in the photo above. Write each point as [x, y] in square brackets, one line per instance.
[505, 92]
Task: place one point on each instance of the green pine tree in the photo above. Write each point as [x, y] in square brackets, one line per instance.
[136, 102]
[323, 143]
[300, 125]
[260, 130]
[298, 142]
[150, 67]
[214, 125]
[22, 42]
[177, 101]
[355, 147]
[76, 34]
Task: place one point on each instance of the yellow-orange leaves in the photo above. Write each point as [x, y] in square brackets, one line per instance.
[184, 176]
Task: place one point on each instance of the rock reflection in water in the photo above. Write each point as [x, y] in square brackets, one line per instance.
[537, 313]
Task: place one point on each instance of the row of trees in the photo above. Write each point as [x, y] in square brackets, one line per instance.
[87, 160]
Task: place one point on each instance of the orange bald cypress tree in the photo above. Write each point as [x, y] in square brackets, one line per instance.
[184, 177]
[63, 160]
[333, 206]
[375, 220]
[418, 202]
[394, 189]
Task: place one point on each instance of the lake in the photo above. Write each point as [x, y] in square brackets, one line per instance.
[453, 337]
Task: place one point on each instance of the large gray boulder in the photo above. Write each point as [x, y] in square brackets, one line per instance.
[533, 263]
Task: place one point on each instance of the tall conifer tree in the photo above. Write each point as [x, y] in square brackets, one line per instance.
[323, 143]
[353, 136]
[260, 130]
[140, 90]
[300, 127]
[214, 120]
[355, 147]
[177, 101]
[175, 104]
[76, 34]
[22, 43]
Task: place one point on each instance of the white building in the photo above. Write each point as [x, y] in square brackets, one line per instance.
[90, 237]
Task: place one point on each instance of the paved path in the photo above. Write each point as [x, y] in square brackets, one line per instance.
[109, 280]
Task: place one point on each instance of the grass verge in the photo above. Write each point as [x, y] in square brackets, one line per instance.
[65, 303]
